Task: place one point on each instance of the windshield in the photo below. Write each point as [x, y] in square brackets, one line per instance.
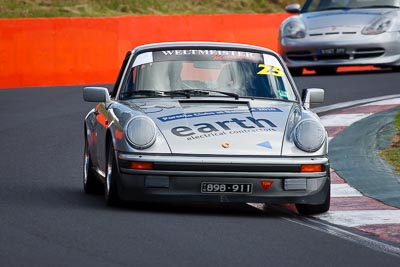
[320, 5]
[191, 73]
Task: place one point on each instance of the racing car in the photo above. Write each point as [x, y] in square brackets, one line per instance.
[206, 122]
[326, 34]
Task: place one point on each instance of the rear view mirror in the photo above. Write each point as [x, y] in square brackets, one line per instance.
[293, 8]
[313, 96]
[96, 94]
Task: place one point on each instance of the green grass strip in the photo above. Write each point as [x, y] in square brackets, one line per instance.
[106, 8]
[392, 154]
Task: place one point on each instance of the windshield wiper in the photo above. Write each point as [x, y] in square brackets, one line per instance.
[177, 92]
[205, 92]
[185, 92]
[141, 92]
[236, 96]
[334, 8]
[380, 6]
[152, 93]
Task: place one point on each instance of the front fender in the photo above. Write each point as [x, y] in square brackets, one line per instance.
[119, 117]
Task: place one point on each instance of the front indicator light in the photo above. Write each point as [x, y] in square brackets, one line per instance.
[311, 168]
[266, 184]
[139, 165]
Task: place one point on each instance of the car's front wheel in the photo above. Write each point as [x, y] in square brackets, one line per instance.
[112, 175]
[91, 185]
[396, 68]
[325, 70]
[308, 209]
[296, 71]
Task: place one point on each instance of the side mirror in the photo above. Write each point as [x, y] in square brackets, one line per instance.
[293, 8]
[312, 96]
[96, 94]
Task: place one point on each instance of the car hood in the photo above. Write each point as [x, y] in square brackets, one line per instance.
[208, 126]
[347, 20]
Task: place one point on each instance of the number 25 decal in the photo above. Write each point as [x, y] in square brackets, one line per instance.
[270, 70]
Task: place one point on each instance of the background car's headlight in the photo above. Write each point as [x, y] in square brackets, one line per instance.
[141, 132]
[378, 26]
[309, 135]
[294, 29]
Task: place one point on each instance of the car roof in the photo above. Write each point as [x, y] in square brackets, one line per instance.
[201, 45]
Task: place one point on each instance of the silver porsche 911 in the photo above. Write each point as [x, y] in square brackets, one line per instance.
[327, 34]
[213, 122]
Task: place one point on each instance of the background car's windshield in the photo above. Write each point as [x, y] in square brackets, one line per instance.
[247, 76]
[319, 5]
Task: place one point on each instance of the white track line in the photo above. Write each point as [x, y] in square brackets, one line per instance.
[344, 190]
[353, 103]
[353, 218]
[337, 120]
[347, 235]
[393, 101]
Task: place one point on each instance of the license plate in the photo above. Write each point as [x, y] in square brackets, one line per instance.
[232, 188]
[332, 51]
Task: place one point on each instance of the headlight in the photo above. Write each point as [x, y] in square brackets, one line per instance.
[294, 29]
[294, 117]
[141, 132]
[378, 26]
[309, 135]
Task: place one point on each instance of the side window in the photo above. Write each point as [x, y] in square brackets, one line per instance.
[131, 83]
[313, 5]
[121, 73]
[132, 80]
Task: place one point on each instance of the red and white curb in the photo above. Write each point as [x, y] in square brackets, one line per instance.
[348, 206]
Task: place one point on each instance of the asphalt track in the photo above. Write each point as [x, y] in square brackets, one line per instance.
[47, 220]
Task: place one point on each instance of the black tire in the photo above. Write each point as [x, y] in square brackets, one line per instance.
[112, 175]
[396, 68]
[91, 184]
[325, 71]
[296, 71]
[308, 209]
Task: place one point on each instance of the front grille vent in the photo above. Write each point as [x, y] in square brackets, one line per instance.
[368, 52]
[331, 33]
[359, 53]
[300, 55]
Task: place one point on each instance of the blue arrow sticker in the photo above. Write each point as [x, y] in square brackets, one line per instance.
[265, 144]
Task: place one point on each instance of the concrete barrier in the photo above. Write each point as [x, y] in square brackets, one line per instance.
[70, 51]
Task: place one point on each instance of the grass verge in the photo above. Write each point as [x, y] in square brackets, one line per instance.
[392, 154]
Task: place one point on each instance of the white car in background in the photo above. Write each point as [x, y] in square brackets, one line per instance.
[326, 34]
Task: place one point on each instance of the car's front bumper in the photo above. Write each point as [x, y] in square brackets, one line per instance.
[377, 50]
[179, 178]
